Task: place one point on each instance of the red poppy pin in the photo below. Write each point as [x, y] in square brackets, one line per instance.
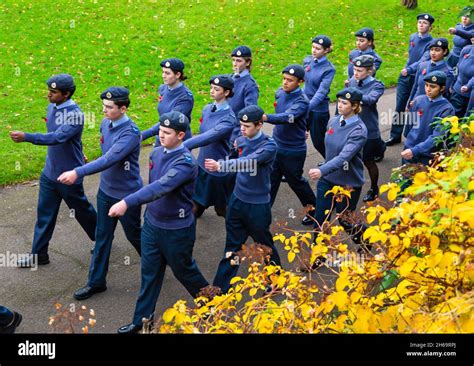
[45, 119]
[308, 68]
[420, 113]
[160, 98]
[466, 55]
[200, 120]
[412, 44]
[101, 139]
[240, 151]
[151, 164]
[424, 71]
[274, 104]
[331, 131]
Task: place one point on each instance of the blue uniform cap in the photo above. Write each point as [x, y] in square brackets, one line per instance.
[242, 51]
[351, 94]
[466, 11]
[173, 63]
[61, 82]
[426, 16]
[115, 93]
[175, 120]
[251, 113]
[225, 81]
[322, 40]
[364, 61]
[365, 33]
[436, 77]
[294, 70]
[440, 42]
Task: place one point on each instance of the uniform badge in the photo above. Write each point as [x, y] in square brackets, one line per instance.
[166, 122]
[239, 53]
[434, 78]
[358, 63]
[216, 81]
[167, 64]
[440, 43]
[320, 41]
[364, 34]
[292, 71]
[426, 16]
[53, 85]
[348, 95]
[244, 117]
[108, 95]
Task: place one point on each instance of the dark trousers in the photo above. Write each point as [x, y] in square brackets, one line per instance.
[318, 123]
[244, 220]
[159, 248]
[404, 86]
[50, 197]
[131, 223]
[6, 316]
[290, 164]
[459, 103]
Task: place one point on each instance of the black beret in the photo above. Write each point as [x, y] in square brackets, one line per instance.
[294, 70]
[436, 77]
[61, 82]
[365, 33]
[225, 81]
[322, 40]
[352, 94]
[175, 120]
[427, 17]
[242, 51]
[440, 42]
[115, 93]
[251, 113]
[173, 63]
[364, 61]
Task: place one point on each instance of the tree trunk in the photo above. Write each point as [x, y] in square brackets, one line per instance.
[410, 4]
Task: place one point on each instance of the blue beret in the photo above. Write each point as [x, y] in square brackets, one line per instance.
[242, 51]
[251, 113]
[436, 77]
[466, 11]
[440, 42]
[322, 40]
[225, 81]
[173, 63]
[364, 61]
[61, 82]
[294, 70]
[427, 17]
[351, 94]
[175, 120]
[115, 93]
[365, 33]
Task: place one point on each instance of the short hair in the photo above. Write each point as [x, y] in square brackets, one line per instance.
[122, 103]
[71, 91]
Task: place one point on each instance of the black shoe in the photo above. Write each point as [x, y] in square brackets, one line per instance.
[308, 219]
[220, 211]
[10, 328]
[378, 159]
[87, 291]
[92, 249]
[393, 141]
[283, 179]
[129, 329]
[32, 260]
[371, 195]
[321, 163]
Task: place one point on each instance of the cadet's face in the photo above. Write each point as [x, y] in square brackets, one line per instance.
[218, 93]
[169, 138]
[344, 107]
[290, 82]
[55, 96]
[423, 26]
[465, 21]
[248, 129]
[239, 64]
[437, 53]
[169, 77]
[318, 51]
[111, 110]
[360, 73]
[433, 90]
[362, 43]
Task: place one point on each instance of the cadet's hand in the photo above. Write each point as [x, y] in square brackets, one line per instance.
[346, 82]
[314, 174]
[404, 72]
[118, 209]
[68, 178]
[264, 118]
[307, 134]
[17, 136]
[452, 30]
[464, 89]
[407, 154]
[411, 104]
[211, 165]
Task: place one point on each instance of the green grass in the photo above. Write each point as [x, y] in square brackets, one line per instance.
[122, 43]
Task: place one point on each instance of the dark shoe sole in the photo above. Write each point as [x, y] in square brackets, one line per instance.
[84, 297]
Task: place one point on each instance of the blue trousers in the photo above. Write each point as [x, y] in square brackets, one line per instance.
[290, 164]
[6, 316]
[131, 223]
[318, 123]
[51, 194]
[159, 248]
[404, 86]
[244, 220]
[459, 103]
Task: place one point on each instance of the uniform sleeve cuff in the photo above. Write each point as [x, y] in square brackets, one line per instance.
[30, 137]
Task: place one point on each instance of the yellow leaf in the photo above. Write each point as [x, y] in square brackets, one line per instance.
[371, 217]
[291, 256]
[235, 279]
[252, 291]
[434, 242]
[392, 194]
[340, 299]
[169, 315]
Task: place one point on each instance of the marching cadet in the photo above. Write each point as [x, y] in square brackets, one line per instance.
[371, 89]
[120, 176]
[249, 211]
[418, 46]
[463, 32]
[9, 320]
[319, 74]
[439, 49]
[419, 144]
[218, 122]
[245, 87]
[173, 95]
[291, 109]
[64, 123]
[464, 81]
[169, 230]
[365, 46]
